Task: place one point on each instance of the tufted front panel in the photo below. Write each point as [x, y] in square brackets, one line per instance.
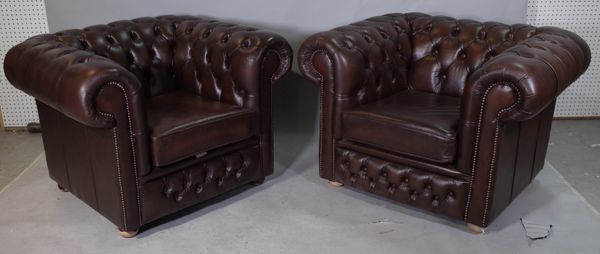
[419, 188]
[199, 182]
[447, 50]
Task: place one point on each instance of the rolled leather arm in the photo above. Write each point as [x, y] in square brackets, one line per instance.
[534, 72]
[65, 78]
[368, 58]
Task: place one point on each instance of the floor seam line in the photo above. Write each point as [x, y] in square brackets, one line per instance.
[573, 189]
[22, 172]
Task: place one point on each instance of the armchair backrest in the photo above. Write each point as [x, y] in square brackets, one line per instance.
[177, 52]
[143, 46]
[445, 51]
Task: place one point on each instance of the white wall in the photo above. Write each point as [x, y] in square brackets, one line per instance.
[293, 19]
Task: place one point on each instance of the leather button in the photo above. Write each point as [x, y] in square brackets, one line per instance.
[372, 184]
[406, 180]
[413, 196]
[220, 181]
[199, 188]
[391, 189]
[238, 174]
[435, 203]
[189, 30]
[246, 43]
[450, 194]
[349, 44]
[206, 33]
[225, 38]
[384, 175]
[168, 191]
[179, 197]
[429, 27]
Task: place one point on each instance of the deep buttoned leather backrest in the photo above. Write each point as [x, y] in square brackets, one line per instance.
[179, 52]
[144, 46]
[446, 50]
[213, 59]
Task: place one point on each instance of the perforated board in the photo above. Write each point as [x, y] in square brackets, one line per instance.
[582, 17]
[19, 20]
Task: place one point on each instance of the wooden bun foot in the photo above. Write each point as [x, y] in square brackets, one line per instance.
[257, 182]
[127, 234]
[335, 184]
[475, 229]
[63, 189]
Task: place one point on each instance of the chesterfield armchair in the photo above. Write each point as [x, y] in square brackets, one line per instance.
[451, 116]
[146, 117]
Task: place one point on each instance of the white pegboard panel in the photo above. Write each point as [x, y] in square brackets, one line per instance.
[19, 20]
[582, 17]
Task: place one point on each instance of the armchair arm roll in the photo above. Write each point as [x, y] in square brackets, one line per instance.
[536, 71]
[516, 85]
[67, 79]
[366, 60]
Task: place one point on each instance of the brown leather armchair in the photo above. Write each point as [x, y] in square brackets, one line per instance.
[452, 116]
[146, 117]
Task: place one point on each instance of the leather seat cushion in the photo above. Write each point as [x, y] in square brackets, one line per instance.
[183, 125]
[412, 123]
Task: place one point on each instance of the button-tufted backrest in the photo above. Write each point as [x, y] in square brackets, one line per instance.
[446, 50]
[208, 52]
[144, 46]
[176, 52]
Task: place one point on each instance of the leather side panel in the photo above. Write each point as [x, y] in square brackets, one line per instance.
[507, 157]
[53, 144]
[526, 155]
[543, 138]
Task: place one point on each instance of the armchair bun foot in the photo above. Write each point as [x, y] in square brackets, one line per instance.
[127, 234]
[257, 182]
[335, 184]
[61, 188]
[475, 229]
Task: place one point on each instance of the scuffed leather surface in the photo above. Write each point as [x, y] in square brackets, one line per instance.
[206, 179]
[183, 125]
[419, 188]
[501, 73]
[411, 123]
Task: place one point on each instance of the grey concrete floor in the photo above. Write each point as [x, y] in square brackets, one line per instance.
[17, 150]
[574, 150]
